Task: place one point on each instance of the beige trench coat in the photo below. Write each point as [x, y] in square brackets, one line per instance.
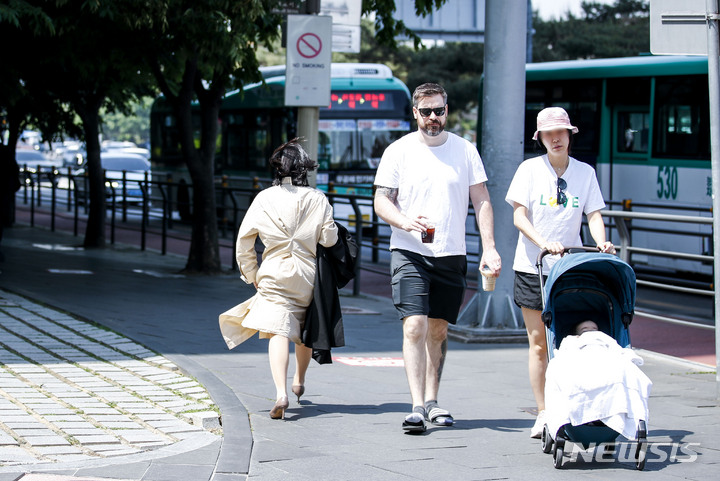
[290, 222]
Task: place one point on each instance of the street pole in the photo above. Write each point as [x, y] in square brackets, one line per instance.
[307, 130]
[493, 315]
[713, 14]
[309, 117]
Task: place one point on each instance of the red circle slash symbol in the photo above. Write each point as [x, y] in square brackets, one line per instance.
[309, 45]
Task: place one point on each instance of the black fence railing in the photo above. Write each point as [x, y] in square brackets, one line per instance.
[164, 205]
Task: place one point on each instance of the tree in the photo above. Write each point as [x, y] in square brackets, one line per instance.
[101, 50]
[96, 63]
[603, 31]
[199, 50]
[77, 58]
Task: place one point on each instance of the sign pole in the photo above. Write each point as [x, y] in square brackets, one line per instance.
[713, 39]
[307, 130]
[307, 76]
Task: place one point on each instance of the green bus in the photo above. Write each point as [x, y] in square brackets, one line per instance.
[645, 126]
[369, 109]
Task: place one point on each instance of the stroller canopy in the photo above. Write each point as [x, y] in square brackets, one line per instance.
[594, 286]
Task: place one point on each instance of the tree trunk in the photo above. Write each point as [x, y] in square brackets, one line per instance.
[95, 230]
[204, 255]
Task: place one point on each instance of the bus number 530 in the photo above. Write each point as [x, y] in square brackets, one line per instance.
[667, 181]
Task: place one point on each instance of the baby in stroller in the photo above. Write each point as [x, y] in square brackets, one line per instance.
[591, 378]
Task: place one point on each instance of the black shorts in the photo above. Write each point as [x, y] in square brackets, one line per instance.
[429, 286]
[527, 290]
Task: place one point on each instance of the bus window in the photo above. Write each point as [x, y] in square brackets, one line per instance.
[581, 101]
[342, 143]
[247, 142]
[376, 135]
[682, 116]
[632, 132]
[324, 151]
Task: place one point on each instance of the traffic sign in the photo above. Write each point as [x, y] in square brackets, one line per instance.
[678, 28]
[309, 55]
[346, 24]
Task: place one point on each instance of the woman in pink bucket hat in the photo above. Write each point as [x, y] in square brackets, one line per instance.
[549, 195]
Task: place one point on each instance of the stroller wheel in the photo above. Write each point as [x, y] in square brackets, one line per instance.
[641, 449]
[558, 452]
[547, 443]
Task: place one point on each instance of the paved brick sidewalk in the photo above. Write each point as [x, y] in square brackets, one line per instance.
[72, 391]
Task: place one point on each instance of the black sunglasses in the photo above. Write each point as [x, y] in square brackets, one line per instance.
[439, 112]
[561, 186]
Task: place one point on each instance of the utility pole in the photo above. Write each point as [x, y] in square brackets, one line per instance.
[493, 315]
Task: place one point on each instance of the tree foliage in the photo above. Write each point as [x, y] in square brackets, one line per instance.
[88, 55]
[132, 124]
[621, 29]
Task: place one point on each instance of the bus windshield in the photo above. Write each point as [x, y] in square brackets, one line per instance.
[356, 144]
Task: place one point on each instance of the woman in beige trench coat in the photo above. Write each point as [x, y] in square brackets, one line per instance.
[290, 219]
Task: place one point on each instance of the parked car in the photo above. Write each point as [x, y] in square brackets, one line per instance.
[74, 156]
[126, 147]
[115, 163]
[32, 159]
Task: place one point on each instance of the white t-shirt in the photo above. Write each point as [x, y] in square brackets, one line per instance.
[434, 182]
[535, 186]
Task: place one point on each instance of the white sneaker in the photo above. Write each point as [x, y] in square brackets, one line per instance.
[537, 429]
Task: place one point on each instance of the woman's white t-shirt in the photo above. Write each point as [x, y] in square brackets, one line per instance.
[535, 187]
[433, 182]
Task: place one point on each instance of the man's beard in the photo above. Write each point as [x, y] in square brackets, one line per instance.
[433, 129]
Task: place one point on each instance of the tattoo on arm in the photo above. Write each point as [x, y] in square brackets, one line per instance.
[389, 192]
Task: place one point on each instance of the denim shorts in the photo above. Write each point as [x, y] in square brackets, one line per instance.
[429, 286]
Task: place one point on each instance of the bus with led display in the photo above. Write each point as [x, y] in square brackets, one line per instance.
[369, 108]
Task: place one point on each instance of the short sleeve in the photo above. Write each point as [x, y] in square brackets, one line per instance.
[595, 199]
[519, 190]
[476, 172]
[387, 174]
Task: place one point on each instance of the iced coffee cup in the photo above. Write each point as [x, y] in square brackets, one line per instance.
[428, 237]
[488, 279]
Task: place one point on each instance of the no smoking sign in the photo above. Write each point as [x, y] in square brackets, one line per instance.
[309, 45]
[309, 56]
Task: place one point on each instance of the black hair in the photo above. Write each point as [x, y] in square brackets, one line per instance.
[539, 146]
[291, 160]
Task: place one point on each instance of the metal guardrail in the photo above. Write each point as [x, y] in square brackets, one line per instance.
[621, 220]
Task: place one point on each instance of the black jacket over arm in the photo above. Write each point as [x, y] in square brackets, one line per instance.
[323, 328]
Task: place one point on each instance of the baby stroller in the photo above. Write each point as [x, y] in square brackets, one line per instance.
[600, 287]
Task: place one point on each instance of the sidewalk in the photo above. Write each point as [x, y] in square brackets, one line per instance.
[347, 426]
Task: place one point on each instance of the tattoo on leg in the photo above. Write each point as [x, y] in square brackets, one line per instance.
[389, 192]
[443, 353]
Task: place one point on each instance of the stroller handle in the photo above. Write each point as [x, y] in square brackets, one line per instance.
[545, 252]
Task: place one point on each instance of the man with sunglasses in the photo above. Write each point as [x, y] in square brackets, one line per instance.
[424, 181]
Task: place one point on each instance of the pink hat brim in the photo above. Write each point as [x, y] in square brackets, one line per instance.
[553, 127]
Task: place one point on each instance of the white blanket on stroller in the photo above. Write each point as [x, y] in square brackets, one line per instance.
[592, 378]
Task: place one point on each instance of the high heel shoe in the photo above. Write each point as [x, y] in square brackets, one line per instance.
[278, 411]
[298, 390]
